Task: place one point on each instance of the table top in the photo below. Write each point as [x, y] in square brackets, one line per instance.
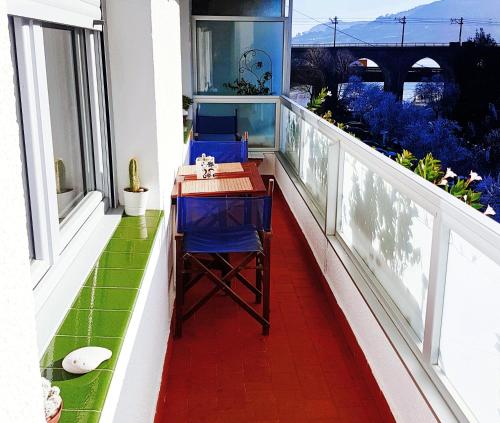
[248, 182]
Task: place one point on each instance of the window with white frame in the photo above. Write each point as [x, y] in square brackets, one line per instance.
[62, 109]
[238, 55]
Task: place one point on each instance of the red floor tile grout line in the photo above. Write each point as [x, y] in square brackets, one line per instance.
[309, 369]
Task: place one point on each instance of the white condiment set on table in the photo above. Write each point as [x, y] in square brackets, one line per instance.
[205, 167]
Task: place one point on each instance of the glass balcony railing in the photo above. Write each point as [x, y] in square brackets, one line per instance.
[431, 260]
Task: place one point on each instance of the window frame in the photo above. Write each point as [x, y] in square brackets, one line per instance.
[286, 20]
[50, 238]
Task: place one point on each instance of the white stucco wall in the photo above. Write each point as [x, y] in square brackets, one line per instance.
[186, 47]
[146, 83]
[20, 393]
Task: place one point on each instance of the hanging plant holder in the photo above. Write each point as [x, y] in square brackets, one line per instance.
[255, 72]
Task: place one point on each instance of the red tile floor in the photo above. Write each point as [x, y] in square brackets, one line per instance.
[224, 370]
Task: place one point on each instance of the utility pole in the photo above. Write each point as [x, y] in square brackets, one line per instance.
[334, 21]
[461, 23]
[403, 22]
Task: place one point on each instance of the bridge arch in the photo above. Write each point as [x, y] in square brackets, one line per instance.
[422, 70]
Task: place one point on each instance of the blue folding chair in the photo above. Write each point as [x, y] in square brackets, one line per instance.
[209, 229]
[219, 128]
[222, 151]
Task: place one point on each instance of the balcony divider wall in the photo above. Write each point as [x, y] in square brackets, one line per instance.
[431, 261]
[239, 66]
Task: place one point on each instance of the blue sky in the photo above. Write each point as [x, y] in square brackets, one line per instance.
[346, 10]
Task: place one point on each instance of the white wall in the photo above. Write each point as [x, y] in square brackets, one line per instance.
[186, 47]
[20, 393]
[146, 83]
[405, 400]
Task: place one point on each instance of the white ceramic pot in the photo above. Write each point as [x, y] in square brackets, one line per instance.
[135, 202]
[65, 202]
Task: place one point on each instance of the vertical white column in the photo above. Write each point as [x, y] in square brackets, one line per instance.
[20, 392]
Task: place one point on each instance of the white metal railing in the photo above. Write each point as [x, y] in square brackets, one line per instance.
[431, 260]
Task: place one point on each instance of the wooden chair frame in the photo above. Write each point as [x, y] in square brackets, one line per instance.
[191, 268]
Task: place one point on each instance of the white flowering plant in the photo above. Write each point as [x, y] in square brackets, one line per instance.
[51, 398]
[462, 188]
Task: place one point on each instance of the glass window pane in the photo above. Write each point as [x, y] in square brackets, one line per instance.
[258, 119]
[290, 136]
[29, 219]
[391, 234]
[239, 58]
[470, 332]
[73, 180]
[237, 8]
[314, 164]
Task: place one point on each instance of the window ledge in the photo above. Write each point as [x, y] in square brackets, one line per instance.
[57, 289]
[101, 313]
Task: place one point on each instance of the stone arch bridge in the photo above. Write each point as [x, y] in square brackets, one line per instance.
[395, 62]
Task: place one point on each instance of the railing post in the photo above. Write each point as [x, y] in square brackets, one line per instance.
[332, 187]
[436, 289]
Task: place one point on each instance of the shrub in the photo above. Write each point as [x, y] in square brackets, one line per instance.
[490, 187]
[440, 138]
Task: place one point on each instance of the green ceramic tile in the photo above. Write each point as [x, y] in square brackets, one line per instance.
[81, 392]
[140, 221]
[154, 213]
[117, 245]
[115, 278]
[94, 323]
[61, 346]
[105, 298]
[109, 260]
[79, 416]
[131, 232]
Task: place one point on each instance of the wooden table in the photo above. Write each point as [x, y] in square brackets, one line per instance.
[250, 171]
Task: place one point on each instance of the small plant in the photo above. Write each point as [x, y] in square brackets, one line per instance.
[186, 102]
[316, 102]
[51, 398]
[429, 168]
[133, 174]
[244, 87]
[406, 159]
[328, 116]
[461, 190]
[60, 176]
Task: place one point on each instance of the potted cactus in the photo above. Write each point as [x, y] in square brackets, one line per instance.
[135, 196]
[65, 196]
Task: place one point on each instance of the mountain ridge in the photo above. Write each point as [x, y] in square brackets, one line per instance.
[422, 26]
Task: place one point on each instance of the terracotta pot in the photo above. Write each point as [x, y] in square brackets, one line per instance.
[55, 418]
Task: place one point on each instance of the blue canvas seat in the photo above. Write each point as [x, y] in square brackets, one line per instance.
[217, 137]
[217, 128]
[222, 151]
[217, 124]
[215, 228]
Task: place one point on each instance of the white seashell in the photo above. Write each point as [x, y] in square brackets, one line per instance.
[86, 359]
[52, 405]
[54, 391]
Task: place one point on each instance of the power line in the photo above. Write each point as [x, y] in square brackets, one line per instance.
[328, 26]
[389, 20]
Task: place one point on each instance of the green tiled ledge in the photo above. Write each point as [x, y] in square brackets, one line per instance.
[99, 316]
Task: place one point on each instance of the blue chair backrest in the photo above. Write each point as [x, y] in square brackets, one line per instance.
[216, 124]
[223, 214]
[222, 151]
